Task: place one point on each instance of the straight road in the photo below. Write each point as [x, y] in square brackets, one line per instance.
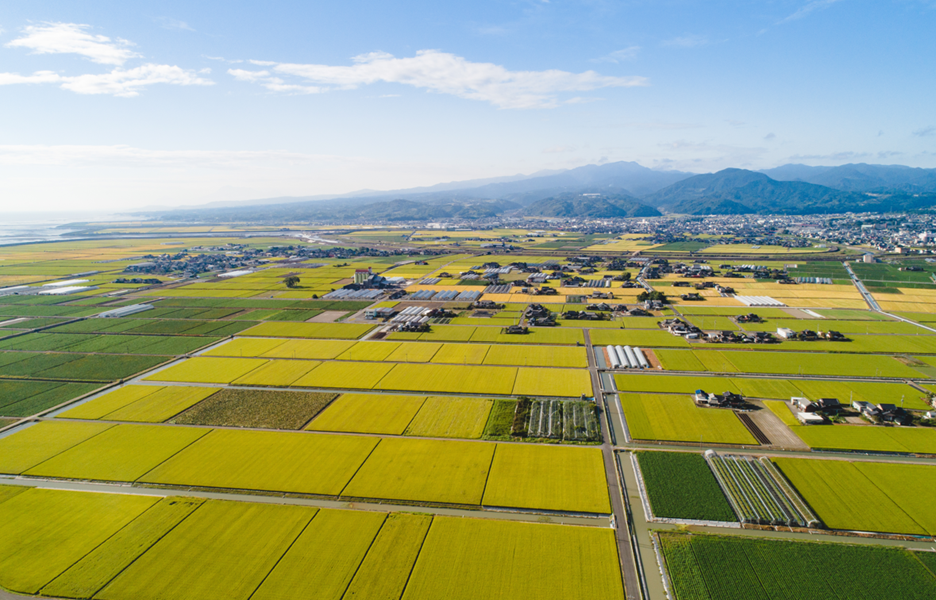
[630, 567]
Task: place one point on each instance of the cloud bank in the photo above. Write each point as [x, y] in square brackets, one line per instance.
[438, 72]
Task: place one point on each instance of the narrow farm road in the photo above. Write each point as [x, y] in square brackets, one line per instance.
[630, 566]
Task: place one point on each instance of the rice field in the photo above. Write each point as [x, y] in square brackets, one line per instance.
[334, 331]
[853, 496]
[451, 417]
[223, 551]
[87, 576]
[386, 568]
[449, 378]
[277, 373]
[571, 562]
[920, 440]
[450, 472]
[548, 478]
[792, 363]
[678, 419]
[368, 413]
[47, 531]
[552, 383]
[161, 405]
[208, 370]
[121, 453]
[347, 375]
[34, 444]
[559, 356]
[266, 461]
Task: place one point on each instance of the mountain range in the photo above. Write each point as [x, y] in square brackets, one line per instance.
[612, 190]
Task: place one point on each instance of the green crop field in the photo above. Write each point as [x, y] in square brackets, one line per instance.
[368, 413]
[831, 487]
[783, 412]
[820, 364]
[223, 551]
[571, 562]
[678, 419]
[681, 486]
[323, 559]
[47, 531]
[87, 576]
[451, 417]
[704, 567]
[450, 472]
[122, 453]
[25, 398]
[548, 478]
[208, 370]
[390, 559]
[261, 409]
[32, 445]
[267, 461]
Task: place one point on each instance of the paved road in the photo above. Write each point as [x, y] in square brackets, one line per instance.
[630, 567]
[870, 300]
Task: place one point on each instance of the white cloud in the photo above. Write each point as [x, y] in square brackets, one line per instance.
[119, 82]
[925, 131]
[272, 83]
[687, 41]
[73, 38]
[173, 24]
[438, 72]
[629, 53]
[808, 8]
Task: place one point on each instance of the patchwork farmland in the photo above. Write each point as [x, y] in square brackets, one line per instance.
[396, 412]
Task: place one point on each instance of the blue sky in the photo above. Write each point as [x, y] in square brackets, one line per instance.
[128, 104]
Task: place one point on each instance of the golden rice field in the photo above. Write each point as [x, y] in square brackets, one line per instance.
[368, 413]
[335, 331]
[201, 369]
[451, 417]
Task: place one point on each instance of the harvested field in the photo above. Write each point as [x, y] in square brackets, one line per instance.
[571, 562]
[451, 417]
[368, 413]
[548, 478]
[424, 471]
[262, 409]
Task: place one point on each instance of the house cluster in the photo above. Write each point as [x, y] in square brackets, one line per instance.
[681, 328]
[740, 337]
[537, 315]
[808, 335]
[811, 412]
[722, 400]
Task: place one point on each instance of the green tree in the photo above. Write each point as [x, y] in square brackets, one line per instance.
[291, 281]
